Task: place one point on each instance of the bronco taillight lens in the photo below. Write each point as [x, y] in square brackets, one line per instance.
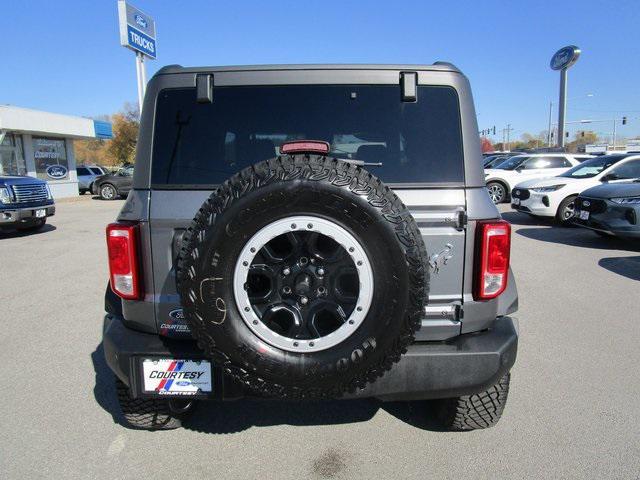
[122, 245]
[493, 242]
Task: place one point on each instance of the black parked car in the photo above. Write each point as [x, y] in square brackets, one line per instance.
[25, 202]
[610, 209]
[113, 185]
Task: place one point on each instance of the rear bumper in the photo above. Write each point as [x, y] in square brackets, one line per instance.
[464, 365]
[24, 215]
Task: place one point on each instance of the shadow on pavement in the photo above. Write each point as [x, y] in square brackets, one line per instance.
[104, 390]
[26, 233]
[518, 218]
[577, 237]
[217, 417]
[628, 267]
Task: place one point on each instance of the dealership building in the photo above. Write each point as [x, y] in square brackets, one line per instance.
[40, 144]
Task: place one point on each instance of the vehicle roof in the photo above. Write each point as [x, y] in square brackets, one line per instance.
[436, 66]
[550, 154]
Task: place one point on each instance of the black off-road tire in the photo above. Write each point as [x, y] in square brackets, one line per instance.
[148, 413]
[316, 186]
[474, 412]
[565, 205]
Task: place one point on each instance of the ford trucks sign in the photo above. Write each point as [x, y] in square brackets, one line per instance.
[137, 29]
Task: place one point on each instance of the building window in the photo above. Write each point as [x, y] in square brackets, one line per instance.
[12, 155]
[50, 155]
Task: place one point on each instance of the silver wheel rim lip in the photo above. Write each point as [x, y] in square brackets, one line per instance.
[496, 192]
[302, 223]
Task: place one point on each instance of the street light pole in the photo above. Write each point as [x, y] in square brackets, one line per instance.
[549, 129]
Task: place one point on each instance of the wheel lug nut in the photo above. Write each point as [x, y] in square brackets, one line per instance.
[286, 271]
[320, 271]
[286, 290]
[304, 300]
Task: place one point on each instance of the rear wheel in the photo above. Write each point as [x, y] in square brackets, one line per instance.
[565, 211]
[108, 192]
[474, 412]
[497, 192]
[152, 414]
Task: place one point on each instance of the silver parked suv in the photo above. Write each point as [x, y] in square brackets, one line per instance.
[310, 232]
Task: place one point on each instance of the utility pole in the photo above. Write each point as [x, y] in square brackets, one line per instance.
[614, 134]
[506, 132]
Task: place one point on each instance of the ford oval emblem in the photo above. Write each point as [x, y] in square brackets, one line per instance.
[177, 314]
[586, 203]
[140, 20]
[565, 57]
[56, 171]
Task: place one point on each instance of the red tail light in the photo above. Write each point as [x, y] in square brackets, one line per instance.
[122, 245]
[305, 146]
[493, 242]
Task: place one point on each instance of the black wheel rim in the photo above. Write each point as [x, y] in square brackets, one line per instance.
[303, 285]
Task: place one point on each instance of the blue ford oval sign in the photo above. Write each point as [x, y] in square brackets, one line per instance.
[565, 57]
[56, 171]
[140, 20]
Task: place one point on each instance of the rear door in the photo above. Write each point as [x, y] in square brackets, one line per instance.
[414, 147]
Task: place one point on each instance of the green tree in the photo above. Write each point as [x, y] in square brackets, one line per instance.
[126, 123]
[581, 139]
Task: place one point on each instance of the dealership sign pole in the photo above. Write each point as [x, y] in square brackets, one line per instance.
[562, 60]
[138, 33]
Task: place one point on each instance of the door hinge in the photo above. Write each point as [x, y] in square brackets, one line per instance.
[461, 219]
[457, 312]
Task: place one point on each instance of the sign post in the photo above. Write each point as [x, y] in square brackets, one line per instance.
[562, 60]
[138, 33]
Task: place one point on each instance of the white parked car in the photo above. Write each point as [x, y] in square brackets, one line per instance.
[500, 181]
[554, 197]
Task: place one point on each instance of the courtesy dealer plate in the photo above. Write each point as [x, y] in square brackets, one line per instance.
[515, 201]
[41, 213]
[168, 376]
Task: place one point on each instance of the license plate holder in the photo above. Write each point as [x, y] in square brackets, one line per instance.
[515, 201]
[176, 377]
[40, 213]
[583, 214]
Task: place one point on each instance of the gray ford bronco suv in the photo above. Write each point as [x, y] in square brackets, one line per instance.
[310, 232]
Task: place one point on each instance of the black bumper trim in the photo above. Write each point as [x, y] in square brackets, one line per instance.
[464, 365]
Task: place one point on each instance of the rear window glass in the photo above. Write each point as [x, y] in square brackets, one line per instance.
[82, 171]
[96, 171]
[204, 144]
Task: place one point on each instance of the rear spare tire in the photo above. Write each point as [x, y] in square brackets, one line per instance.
[304, 276]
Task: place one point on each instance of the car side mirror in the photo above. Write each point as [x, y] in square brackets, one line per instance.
[608, 177]
[519, 169]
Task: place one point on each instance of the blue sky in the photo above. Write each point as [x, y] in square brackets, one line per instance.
[65, 57]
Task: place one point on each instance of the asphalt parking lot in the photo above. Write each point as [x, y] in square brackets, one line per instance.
[573, 410]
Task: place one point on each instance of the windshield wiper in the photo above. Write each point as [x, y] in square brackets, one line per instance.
[361, 163]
